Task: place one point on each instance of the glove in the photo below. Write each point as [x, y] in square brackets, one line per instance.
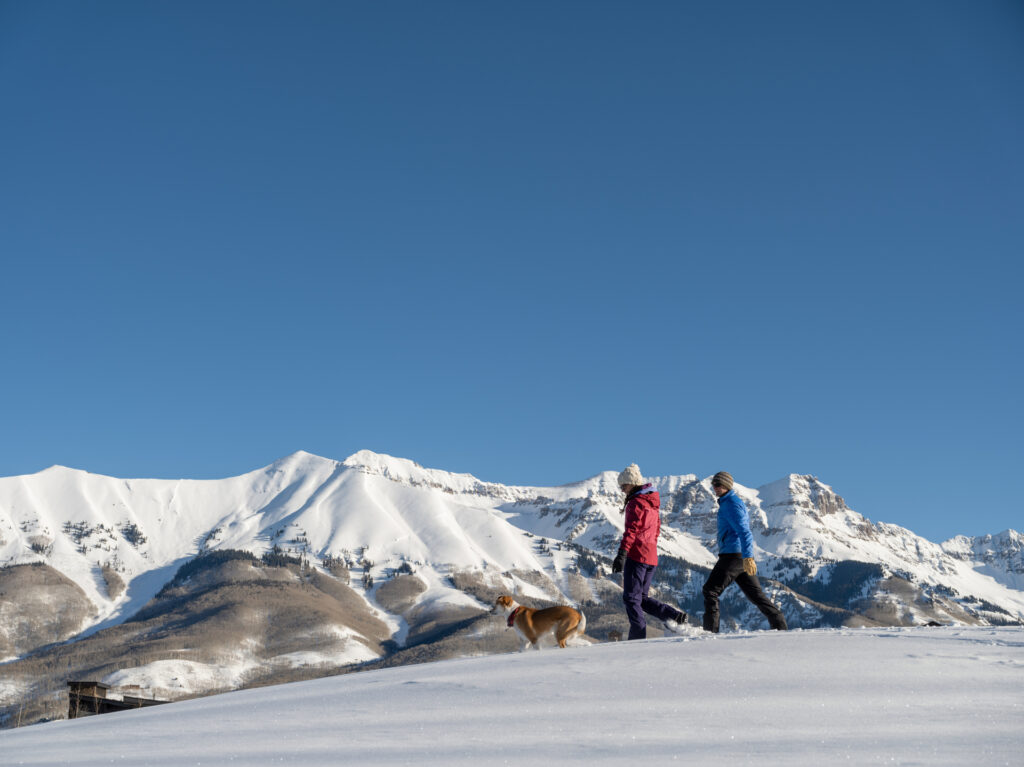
[749, 566]
[619, 562]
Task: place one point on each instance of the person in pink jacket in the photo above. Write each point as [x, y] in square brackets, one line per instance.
[638, 554]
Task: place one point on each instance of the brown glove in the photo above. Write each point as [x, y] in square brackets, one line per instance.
[749, 566]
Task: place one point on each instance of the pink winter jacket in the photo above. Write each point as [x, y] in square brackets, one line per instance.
[643, 525]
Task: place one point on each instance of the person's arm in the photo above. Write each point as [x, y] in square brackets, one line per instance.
[632, 526]
[746, 539]
[739, 521]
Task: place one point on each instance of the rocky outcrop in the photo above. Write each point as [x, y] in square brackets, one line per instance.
[39, 606]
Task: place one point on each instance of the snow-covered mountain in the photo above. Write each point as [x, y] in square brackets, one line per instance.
[395, 555]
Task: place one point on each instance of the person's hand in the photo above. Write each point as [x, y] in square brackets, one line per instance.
[749, 566]
[619, 562]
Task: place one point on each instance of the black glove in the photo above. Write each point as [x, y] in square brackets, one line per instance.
[619, 562]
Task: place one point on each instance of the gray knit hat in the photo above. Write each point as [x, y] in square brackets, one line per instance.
[631, 475]
[722, 479]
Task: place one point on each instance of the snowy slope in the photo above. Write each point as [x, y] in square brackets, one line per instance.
[857, 696]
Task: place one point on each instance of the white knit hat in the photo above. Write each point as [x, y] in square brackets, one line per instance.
[631, 475]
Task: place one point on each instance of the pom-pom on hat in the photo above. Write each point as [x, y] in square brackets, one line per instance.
[723, 479]
[631, 475]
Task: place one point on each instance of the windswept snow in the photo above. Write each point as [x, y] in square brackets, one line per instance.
[950, 696]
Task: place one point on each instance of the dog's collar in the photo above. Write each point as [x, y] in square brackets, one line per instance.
[512, 616]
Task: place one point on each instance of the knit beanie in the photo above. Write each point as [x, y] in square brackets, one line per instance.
[722, 479]
[631, 475]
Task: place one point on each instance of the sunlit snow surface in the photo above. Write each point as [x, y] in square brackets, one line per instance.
[921, 696]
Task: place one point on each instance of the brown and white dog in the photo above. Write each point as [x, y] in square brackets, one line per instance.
[531, 625]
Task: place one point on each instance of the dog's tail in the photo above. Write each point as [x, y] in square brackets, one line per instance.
[581, 627]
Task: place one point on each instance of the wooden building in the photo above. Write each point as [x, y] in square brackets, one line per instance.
[91, 698]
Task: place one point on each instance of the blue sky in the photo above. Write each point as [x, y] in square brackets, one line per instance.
[528, 241]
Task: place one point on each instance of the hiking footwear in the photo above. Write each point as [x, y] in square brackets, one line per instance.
[675, 625]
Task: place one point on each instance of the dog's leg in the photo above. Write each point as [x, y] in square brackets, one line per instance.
[534, 640]
[552, 633]
[563, 633]
[571, 630]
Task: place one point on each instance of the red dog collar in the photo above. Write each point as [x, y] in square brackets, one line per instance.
[512, 616]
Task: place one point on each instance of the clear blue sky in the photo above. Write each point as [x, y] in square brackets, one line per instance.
[530, 241]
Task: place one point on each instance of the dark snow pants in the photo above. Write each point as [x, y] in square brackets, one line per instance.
[727, 569]
[636, 582]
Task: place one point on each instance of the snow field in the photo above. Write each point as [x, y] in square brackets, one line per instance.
[860, 696]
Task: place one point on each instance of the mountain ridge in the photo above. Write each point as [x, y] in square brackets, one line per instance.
[419, 554]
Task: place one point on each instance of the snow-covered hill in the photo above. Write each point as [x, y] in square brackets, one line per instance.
[396, 555]
[948, 696]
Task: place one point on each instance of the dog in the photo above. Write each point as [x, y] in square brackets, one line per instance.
[531, 625]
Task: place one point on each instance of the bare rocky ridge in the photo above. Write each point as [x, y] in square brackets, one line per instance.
[39, 606]
[259, 620]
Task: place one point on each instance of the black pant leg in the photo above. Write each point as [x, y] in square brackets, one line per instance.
[725, 571]
[751, 587]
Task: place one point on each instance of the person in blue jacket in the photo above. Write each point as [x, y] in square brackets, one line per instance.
[735, 558]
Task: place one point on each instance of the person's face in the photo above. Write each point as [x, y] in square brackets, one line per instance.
[626, 489]
[718, 490]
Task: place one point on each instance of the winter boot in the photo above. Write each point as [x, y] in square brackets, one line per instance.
[675, 624]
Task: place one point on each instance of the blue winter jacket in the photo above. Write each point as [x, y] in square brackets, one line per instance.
[734, 536]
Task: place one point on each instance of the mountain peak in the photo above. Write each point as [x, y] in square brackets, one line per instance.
[302, 455]
[406, 470]
[796, 485]
[300, 460]
[369, 458]
[59, 470]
